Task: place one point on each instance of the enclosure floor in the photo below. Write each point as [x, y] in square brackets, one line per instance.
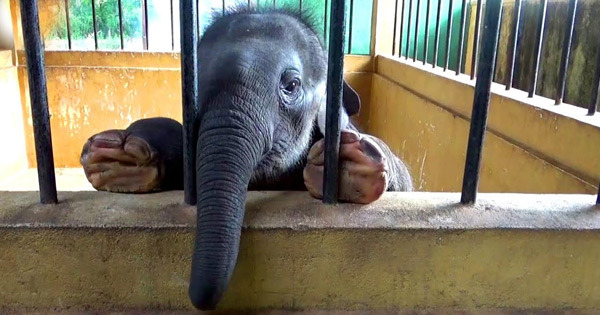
[67, 179]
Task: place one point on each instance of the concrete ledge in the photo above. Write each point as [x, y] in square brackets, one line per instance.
[408, 251]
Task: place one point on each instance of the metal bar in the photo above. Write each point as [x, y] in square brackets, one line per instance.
[94, 24]
[325, 21]
[426, 42]
[476, 39]
[539, 42]
[394, 34]
[401, 30]
[512, 52]
[481, 101]
[121, 24]
[36, 75]
[461, 36]
[350, 26]
[300, 5]
[436, 45]
[274, 3]
[223, 6]
[68, 23]
[595, 102]
[566, 51]
[410, 2]
[497, 54]
[335, 79]
[448, 35]
[172, 27]
[188, 11]
[145, 23]
[416, 43]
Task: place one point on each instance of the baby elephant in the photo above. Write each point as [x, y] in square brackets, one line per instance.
[262, 102]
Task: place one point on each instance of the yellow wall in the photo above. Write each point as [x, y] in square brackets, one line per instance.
[424, 117]
[13, 157]
[89, 92]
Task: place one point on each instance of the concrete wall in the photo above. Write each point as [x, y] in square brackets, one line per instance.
[13, 158]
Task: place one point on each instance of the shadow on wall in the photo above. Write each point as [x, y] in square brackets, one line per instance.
[6, 34]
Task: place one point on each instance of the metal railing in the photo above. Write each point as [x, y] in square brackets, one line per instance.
[145, 32]
[485, 71]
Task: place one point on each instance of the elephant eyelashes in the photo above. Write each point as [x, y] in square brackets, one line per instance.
[290, 85]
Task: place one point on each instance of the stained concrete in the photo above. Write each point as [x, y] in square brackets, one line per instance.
[408, 251]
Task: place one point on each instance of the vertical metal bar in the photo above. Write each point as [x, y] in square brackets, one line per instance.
[410, 2]
[94, 24]
[539, 42]
[426, 42]
[335, 77]
[476, 39]
[512, 51]
[121, 25]
[461, 36]
[172, 27]
[436, 44]
[188, 11]
[394, 34]
[223, 6]
[300, 5]
[566, 51]
[595, 101]
[274, 3]
[416, 43]
[145, 23]
[350, 26]
[481, 101]
[500, 32]
[325, 21]
[67, 10]
[449, 35]
[401, 30]
[36, 74]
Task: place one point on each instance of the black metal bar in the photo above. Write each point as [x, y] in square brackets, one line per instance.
[121, 25]
[416, 43]
[448, 35]
[172, 27]
[426, 42]
[595, 101]
[145, 24]
[300, 5]
[350, 22]
[461, 36]
[481, 101]
[476, 39]
[223, 6]
[94, 24]
[36, 75]
[566, 51]
[539, 42]
[410, 2]
[436, 44]
[68, 23]
[401, 30]
[325, 21]
[394, 34]
[274, 3]
[497, 54]
[335, 72]
[188, 11]
[512, 51]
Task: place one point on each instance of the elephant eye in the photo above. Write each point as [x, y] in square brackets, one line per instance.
[292, 86]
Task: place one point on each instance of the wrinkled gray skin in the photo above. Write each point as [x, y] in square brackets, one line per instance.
[256, 127]
[262, 81]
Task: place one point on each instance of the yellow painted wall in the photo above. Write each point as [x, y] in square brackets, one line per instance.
[89, 92]
[418, 115]
[13, 157]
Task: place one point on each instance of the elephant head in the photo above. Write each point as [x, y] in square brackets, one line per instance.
[262, 84]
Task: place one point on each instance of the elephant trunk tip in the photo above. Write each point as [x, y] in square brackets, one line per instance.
[204, 298]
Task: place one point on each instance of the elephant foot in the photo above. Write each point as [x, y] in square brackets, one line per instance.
[116, 161]
[363, 172]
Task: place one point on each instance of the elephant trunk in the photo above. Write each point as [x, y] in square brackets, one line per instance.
[228, 151]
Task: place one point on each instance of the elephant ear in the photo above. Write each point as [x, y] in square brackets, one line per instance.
[351, 100]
